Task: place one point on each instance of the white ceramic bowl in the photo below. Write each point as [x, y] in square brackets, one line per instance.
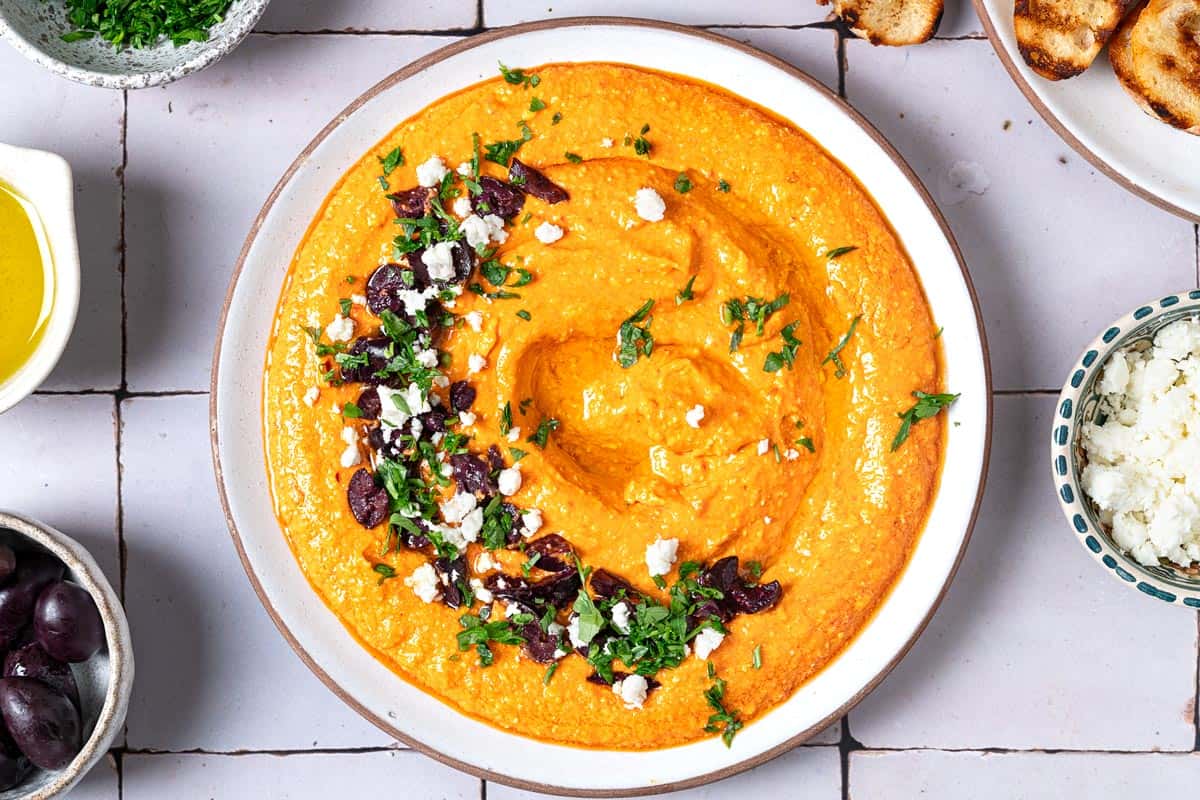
[44, 180]
[418, 718]
[35, 28]
[105, 680]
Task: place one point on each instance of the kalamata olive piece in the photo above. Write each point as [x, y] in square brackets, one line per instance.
[32, 661]
[8, 563]
[14, 766]
[67, 623]
[34, 571]
[42, 721]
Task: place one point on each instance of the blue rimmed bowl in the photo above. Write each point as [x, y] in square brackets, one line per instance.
[1077, 404]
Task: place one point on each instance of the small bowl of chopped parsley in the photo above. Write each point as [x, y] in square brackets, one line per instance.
[126, 44]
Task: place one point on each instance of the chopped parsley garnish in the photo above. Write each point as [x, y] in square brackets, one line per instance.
[524, 405]
[525, 315]
[685, 294]
[550, 670]
[517, 454]
[477, 633]
[536, 104]
[394, 158]
[838, 252]
[634, 339]
[641, 145]
[927, 405]
[751, 309]
[807, 443]
[755, 568]
[835, 355]
[501, 152]
[938, 335]
[351, 411]
[345, 304]
[528, 566]
[497, 524]
[385, 571]
[775, 361]
[518, 77]
[506, 419]
[758, 656]
[557, 118]
[350, 279]
[143, 23]
[502, 294]
[574, 158]
[541, 436]
[723, 721]
[723, 186]
[683, 184]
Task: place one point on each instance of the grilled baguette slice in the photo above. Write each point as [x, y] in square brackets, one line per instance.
[1164, 47]
[890, 22]
[1060, 38]
[1120, 55]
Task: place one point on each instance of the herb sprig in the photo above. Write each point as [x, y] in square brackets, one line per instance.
[927, 405]
[835, 355]
[634, 339]
[138, 24]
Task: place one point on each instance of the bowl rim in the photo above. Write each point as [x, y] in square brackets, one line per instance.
[487, 37]
[1064, 427]
[53, 202]
[111, 718]
[209, 52]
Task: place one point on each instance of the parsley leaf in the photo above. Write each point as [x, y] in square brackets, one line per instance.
[838, 252]
[634, 340]
[723, 186]
[723, 721]
[394, 158]
[775, 361]
[685, 294]
[574, 158]
[927, 405]
[834, 355]
[683, 184]
[517, 77]
[541, 436]
[536, 104]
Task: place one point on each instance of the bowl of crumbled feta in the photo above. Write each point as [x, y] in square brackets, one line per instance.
[1125, 450]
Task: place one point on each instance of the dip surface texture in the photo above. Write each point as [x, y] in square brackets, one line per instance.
[627, 465]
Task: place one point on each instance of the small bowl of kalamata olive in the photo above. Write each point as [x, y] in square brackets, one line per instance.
[66, 664]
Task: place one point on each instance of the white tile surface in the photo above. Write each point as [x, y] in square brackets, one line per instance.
[213, 673]
[1034, 647]
[99, 784]
[812, 773]
[369, 15]
[58, 464]
[400, 775]
[813, 50]
[692, 12]
[959, 19]
[83, 126]
[197, 179]
[1029, 776]
[1049, 239]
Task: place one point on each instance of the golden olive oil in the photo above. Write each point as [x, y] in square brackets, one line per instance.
[26, 281]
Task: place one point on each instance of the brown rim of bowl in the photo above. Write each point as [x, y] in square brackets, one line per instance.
[1048, 117]
[419, 65]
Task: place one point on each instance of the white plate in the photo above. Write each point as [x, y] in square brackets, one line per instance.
[1094, 115]
[419, 719]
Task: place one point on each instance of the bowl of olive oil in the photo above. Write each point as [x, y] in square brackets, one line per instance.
[39, 268]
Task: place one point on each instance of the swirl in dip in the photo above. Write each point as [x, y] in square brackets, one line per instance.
[781, 450]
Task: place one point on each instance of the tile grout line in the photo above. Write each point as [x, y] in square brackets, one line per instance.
[1196, 236]
[122, 395]
[847, 744]
[1196, 693]
[124, 383]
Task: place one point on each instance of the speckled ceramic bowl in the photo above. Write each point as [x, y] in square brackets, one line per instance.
[1077, 405]
[35, 28]
[105, 680]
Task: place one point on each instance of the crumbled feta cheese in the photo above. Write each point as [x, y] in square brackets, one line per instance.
[351, 457]
[620, 617]
[632, 690]
[573, 632]
[358, 299]
[424, 583]
[548, 233]
[476, 363]
[458, 506]
[472, 524]
[481, 592]
[660, 556]
[461, 206]
[475, 320]
[485, 563]
[763, 446]
[514, 433]
[606, 142]
[414, 300]
[464, 168]
[481, 230]
[509, 480]
[767, 520]
[511, 609]
[439, 259]
[397, 406]
[431, 172]
[649, 205]
[466, 417]
[791, 454]
[694, 415]
[706, 642]
[340, 330]
[311, 396]
[1143, 462]
[427, 358]
[531, 521]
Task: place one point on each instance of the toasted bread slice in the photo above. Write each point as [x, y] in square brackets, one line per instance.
[1120, 55]
[1164, 47]
[1060, 38]
[890, 22]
